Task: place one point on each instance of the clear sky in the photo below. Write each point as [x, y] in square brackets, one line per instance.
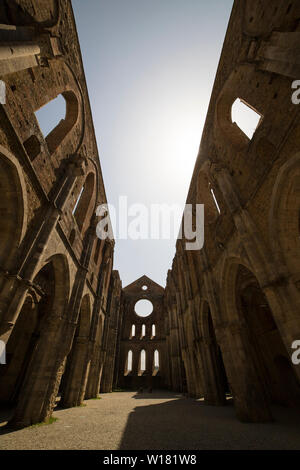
[150, 67]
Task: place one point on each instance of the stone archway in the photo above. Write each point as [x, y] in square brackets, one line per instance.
[267, 351]
[19, 349]
[252, 342]
[243, 371]
[40, 385]
[13, 207]
[285, 218]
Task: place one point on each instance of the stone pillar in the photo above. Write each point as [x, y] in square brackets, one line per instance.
[40, 386]
[279, 54]
[73, 394]
[98, 350]
[242, 374]
[108, 369]
[11, 377]
[22, 48]
[250, 400]
[14, 50]
[214, 391]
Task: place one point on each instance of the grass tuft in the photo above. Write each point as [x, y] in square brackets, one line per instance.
[50, 420]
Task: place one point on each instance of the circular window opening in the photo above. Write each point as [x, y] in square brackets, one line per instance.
[143, 308]
[145, 288]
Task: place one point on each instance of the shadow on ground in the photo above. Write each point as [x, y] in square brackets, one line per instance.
[6, 413]
[157, 394]
[184, 423]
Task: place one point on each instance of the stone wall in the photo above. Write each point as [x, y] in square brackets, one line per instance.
[235, 304]
[55, 272]
[137, 340]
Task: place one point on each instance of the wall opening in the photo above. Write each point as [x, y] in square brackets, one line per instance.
[143, 331]
[143, 308]
[132, 331]
[266, 341]
[78, 199]
[142, 367]
[81, 208]
[156, 359]
[51, 114]
[155, 362]
[246, 117]
[57, 117]
[153, 331]
[215, 199]
[128, 367]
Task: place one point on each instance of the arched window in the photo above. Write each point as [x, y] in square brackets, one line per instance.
[156, 359]
[142, 361]
[129, 362]
[77, 201]
[246, 117]
[215, 199]
[132, 331]
[143, 331]
[57, 118]
[153, 330]
[51, 114]
[81, 207]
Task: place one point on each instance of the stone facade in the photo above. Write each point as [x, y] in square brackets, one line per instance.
[235, 304]
[146, 334]
[55, 278]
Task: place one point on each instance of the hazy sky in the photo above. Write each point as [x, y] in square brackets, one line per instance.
[150, 67]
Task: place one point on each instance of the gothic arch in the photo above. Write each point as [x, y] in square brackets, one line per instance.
[36, 400]
[232, 90]
[62, 282]
[57, 135]
[284, 217]
[13, 207]
[227, 287]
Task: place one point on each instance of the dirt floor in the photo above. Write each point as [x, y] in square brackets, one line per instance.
[160, 420]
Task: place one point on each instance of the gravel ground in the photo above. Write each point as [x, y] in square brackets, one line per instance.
[161, 420]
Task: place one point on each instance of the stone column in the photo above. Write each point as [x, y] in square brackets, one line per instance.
[108, 370]
[22, 48]
[98, 350]
[74, 390]
[214, 391]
